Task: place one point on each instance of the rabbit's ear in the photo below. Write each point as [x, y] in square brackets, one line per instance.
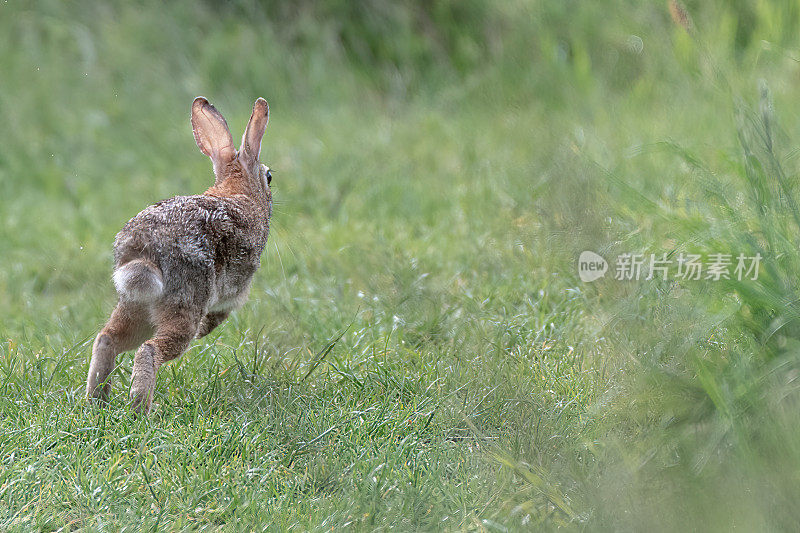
[251, 140]
[211, 133]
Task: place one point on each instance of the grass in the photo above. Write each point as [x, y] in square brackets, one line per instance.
[418, 352]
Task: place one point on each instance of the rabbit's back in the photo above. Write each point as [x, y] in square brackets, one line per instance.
[206, 247]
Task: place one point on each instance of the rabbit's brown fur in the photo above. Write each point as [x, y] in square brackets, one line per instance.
[183, 264]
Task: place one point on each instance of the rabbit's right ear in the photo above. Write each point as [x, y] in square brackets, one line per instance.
[251, 140]
[211, 133]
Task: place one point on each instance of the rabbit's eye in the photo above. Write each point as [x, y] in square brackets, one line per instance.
[266, 175]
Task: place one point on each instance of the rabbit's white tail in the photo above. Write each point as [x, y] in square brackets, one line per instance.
[139, 280]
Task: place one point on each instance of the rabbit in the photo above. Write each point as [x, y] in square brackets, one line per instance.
[184, 264]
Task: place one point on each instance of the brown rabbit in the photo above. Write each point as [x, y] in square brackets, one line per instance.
[183, 264]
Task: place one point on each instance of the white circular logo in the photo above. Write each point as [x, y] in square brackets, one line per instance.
[591, 266]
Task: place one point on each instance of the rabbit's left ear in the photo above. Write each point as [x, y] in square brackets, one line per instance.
[251, 140]
[211, 133]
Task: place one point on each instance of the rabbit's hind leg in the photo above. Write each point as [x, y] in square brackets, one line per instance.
[176, 327]
[128, 326]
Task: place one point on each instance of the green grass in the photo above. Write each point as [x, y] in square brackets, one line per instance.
[418, 352]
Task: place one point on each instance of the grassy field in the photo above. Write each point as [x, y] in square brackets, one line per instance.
[418, 351]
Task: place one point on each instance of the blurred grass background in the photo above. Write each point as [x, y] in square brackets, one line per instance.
[438, 167]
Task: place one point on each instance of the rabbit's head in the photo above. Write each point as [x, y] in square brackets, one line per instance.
[236, 171]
